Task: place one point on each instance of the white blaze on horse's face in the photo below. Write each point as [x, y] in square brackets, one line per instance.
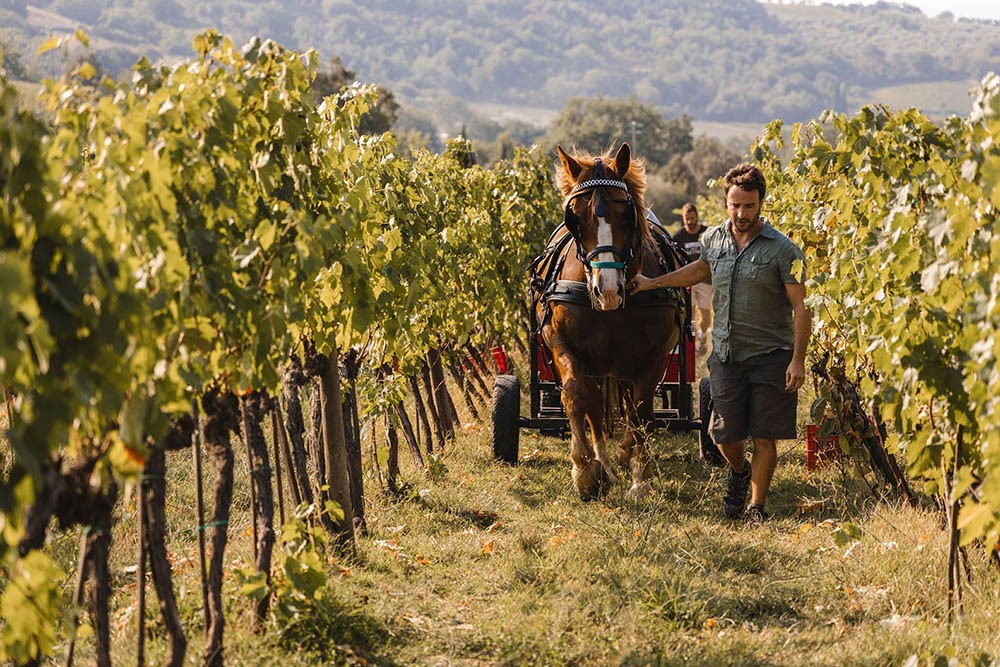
[607, 286]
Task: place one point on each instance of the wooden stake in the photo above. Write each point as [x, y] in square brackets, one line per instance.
[277, 460]
[81, 577]
[200, 507]
[140, 647]
[253, 488]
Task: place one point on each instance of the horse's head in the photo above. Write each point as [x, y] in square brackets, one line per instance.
[604, 212]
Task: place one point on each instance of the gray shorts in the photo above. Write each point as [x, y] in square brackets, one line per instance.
[749, 398]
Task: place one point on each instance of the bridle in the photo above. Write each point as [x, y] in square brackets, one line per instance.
[598, 182]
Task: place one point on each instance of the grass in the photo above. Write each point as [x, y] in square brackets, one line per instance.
[486, 564]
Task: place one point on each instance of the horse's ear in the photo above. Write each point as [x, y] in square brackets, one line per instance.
[570, 166]
[623, 158]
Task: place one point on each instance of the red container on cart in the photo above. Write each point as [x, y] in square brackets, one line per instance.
[501, 359]
[817, 452]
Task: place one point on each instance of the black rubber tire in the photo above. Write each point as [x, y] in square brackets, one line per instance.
[506, 414]
[709, 450]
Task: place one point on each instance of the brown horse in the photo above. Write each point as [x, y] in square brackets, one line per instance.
[592, 327]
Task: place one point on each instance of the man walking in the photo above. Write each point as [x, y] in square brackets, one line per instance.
[689, 238]
[759, 337]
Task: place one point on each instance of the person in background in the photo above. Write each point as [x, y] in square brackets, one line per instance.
[689, 238]
[759, 337]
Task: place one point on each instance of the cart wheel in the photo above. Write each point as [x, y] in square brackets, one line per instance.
[709, 450]
[506, 413]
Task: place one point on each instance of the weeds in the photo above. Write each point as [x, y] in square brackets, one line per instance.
[485, 564]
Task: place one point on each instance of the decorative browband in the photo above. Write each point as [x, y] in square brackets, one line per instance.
[601, 183]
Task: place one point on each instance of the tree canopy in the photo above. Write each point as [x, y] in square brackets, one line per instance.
[597, 123]
[713, 59]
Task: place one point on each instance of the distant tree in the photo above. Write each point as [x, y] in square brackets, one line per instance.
[11, 66]
[708, 159]
[411, 124]
[599, 123]
[665, 197]
[131, 23]
[19, 7]
[84, 11]
[379, 119]
[409, 141]
[167, 11]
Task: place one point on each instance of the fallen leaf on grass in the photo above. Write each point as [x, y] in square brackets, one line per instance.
[488, 547]
[709, 624]
[809, 506]
[388, 545]
[562, 538]
[895, 621]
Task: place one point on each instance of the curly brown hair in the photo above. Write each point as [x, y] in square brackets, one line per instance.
[747, 177]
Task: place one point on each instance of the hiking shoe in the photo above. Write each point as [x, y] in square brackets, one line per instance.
[737, 489]
[756, 514]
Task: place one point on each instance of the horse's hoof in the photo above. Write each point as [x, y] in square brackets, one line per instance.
[593, 481]
[609, 474]
[639, 490]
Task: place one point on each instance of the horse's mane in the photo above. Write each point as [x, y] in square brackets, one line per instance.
[635, 179]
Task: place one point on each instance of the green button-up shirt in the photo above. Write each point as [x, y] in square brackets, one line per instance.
[752, 312]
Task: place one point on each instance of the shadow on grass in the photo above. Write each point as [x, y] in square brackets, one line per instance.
[339, 632]
[542, 474]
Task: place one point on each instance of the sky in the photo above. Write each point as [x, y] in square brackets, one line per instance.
[977, 9]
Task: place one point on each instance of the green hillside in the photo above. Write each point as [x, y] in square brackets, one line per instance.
[721, 60]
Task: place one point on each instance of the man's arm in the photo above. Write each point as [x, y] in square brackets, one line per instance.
[795, 376]
[689, 274]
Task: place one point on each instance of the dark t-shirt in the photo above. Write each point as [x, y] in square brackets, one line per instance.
[691, 243]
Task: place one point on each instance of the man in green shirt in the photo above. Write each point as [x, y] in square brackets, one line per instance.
[759, 338]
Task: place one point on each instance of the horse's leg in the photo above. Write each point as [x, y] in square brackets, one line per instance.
[592, 472]
[639, 417]
[627, 442]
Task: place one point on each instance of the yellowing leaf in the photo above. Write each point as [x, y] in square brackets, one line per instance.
[87, 71]
[48, 45]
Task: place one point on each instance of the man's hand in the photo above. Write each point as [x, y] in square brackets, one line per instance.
[795, 375]
[639, 283]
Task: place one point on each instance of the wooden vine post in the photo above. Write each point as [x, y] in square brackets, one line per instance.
[334, 447]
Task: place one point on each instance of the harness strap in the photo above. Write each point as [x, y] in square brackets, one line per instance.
[576, 293]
